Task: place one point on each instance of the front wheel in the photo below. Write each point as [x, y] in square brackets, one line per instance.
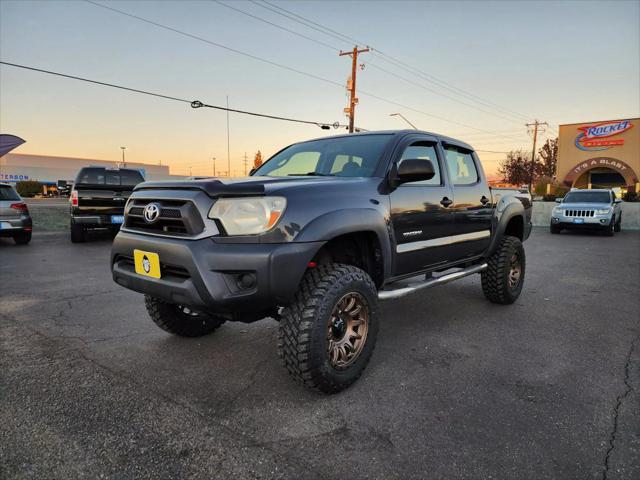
[179, 319]
[503, 279]
[327, 335]
[611, 228]
[554, 229]
[618, 226]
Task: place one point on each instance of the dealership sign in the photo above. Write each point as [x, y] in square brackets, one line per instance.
[598, 136]
[13, 177]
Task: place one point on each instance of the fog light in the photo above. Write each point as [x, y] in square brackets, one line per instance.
[246, 281]
[603, 220]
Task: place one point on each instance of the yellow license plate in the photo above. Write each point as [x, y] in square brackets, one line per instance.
[147, 263]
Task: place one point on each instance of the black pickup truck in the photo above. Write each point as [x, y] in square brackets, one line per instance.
[98, 197]
[316, 237]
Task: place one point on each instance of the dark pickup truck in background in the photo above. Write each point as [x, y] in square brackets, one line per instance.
[315, 237]
[98, 198]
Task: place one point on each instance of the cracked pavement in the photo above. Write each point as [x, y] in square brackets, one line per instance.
[457, 388]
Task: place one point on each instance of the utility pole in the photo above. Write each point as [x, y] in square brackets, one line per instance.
[351, 86]
[214, 166]
[124, 164]
[245, 163]
[535, 126]
[228, 142]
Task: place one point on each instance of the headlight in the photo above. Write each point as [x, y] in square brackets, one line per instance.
[557, 210]
[248, 216]
[603, 211]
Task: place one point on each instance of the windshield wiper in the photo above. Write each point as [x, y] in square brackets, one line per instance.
[311, 174]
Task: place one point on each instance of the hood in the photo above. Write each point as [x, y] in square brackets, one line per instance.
[245, 186]
[587, 206]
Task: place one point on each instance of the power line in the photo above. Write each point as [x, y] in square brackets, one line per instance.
[193, 103]
[279, 65]
[399, 63]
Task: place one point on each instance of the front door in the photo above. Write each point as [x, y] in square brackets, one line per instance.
[421, 212]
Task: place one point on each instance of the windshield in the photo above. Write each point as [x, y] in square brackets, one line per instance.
[355, 156]
[587, 197]
[8, 193]
[104, 176]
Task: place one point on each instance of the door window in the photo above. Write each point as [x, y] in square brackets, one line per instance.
[462, 168]
[423, 151]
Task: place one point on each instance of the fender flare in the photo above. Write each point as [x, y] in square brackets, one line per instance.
[350, 220]
[507, 209]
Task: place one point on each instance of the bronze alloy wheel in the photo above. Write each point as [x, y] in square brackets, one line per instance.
[347, 330]
[515, 271]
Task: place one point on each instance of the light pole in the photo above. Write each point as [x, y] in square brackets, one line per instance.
[214, 166]
[403, 117]
[124, 164]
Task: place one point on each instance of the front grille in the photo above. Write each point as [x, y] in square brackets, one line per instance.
[579, 213]
[176, 218]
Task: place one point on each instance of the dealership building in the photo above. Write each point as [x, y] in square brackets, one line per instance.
[604, 154]
[49, 170]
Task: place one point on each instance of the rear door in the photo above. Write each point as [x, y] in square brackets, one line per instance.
[103, 191]
[420, 213]
[472, 208]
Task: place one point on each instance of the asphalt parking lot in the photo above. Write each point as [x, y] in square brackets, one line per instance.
[457, 388]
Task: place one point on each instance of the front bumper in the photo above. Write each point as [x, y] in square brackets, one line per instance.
[598, 221]
[206, 275]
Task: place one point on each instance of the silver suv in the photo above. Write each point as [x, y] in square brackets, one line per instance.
[15, 220]
[595, 209]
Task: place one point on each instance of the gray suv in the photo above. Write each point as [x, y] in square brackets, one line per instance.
[15, 220]
[588, 209]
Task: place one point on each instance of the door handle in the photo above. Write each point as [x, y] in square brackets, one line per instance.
[445, 202]
[484, 200]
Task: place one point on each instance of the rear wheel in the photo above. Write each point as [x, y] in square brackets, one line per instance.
[326, 337]
[503, 279]
[22, 238]
[78, 234]
[179, 319]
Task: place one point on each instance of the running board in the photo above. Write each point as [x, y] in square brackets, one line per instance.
[430, 282]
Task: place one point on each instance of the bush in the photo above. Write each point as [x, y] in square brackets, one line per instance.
[540, 188]
[28, 188]
[549, 198]
[561, 191]
[631, 197]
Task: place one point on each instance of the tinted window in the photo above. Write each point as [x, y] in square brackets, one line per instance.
[587, 197]
[423, 151]
[103, 176]
[354, 156]
[461, 166]
[8, 193]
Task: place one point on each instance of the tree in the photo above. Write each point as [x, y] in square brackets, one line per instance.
[28, 188]
[548, 164]
[516, 167]
[257, 160]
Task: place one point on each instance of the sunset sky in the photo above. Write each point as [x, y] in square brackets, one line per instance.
[561, 62]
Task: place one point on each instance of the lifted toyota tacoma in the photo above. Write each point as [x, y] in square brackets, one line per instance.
[316, 237]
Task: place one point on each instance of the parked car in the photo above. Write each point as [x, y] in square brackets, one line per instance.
[15, 220]
[98, 197]
[588, 209]
[315, 237]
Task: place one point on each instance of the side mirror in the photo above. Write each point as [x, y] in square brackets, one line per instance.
[413, 170]
[558, 200]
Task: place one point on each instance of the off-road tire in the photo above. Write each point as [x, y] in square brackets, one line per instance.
[171, 318]
[611, 228]
[618, 226]
[495, 279]
[554, 229]
[302, 336]
[78, 234]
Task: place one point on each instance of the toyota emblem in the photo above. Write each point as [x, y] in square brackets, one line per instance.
[151, 212]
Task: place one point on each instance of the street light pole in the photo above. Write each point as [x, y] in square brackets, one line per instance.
[124, 164]
[403, 117]
[214, 166]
